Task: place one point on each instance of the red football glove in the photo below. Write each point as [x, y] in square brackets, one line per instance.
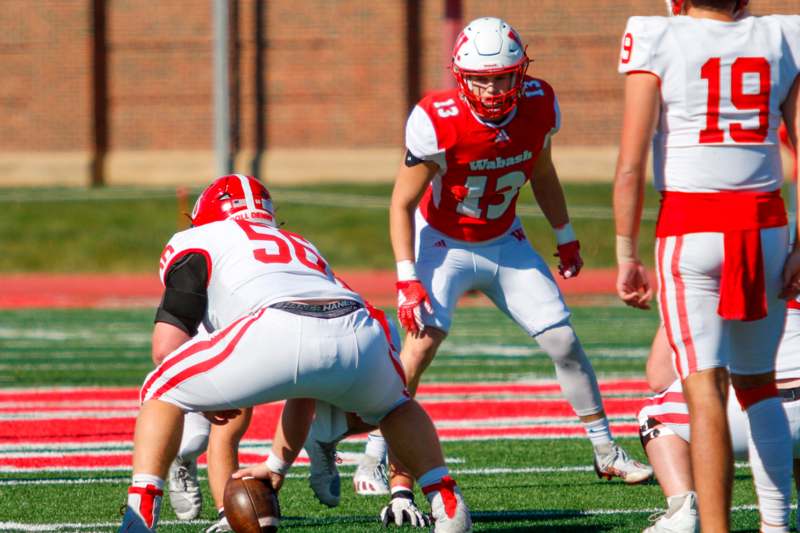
[569, 259]
[411, 297]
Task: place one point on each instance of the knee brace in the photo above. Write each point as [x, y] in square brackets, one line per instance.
[560, 344]
[573, 369]
[652, 429]
[753, 395]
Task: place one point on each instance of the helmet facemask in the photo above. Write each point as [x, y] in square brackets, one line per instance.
[491, 106]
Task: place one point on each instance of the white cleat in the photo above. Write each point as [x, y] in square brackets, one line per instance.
[680, 517]
[448, 510]
[220, 525]
[612, 461]
[184, 490]
[370, 478]
[324, 474]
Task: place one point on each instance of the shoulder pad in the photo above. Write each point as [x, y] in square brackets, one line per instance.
[639, 41]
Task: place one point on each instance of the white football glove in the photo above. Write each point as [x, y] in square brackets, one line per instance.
[402, 510]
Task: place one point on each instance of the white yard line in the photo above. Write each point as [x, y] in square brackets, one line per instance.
[520, 515]
[489, 471]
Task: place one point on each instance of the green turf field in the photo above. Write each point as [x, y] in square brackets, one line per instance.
[124, 230]
[512, 485]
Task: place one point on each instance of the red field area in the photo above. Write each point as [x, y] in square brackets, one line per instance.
[75, 428]
[26, 291]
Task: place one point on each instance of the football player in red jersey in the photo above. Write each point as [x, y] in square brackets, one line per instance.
[454, 229]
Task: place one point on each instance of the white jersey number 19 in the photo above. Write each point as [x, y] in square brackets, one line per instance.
[741, 100]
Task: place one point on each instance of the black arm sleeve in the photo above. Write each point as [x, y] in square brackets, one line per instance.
[412, 160]
[185, 298]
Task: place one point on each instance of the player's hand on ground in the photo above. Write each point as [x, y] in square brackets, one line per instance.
[221, 418]
[569, 259]
[403, 511]
[791, 276]
[633, 288]
[260, 471]
[411, 298]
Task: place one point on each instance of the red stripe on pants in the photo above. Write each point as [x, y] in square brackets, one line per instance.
[188, 352]
[676, 357]
[683, 315]
[209, 363]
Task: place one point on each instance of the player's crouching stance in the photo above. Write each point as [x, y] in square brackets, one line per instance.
[284, 329]
[454, 228]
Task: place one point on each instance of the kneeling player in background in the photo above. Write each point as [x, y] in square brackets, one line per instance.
[665, 432]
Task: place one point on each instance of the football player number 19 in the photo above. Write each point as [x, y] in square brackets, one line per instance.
[506, 189]
[741, 100]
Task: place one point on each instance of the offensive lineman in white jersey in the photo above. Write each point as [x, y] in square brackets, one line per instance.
[713, 89]
[283, 329]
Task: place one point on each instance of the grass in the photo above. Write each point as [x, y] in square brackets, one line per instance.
[124, 230]
[512, 485]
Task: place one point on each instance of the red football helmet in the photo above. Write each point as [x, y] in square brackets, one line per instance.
[489, 47]
[234, 197]
[676, 6]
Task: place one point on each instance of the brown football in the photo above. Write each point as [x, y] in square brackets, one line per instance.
[251, 506]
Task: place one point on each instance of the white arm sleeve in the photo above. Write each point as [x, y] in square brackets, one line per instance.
[421, 138]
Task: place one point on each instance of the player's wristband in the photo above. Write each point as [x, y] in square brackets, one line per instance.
[277, 465]
[626, 250]
[565, 234]
[406, 271]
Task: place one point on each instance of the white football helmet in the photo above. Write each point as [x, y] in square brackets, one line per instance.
[676, 6]
[489, 47]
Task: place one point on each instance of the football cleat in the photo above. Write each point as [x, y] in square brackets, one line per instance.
[402, 510]
[221, 525]
[370, 478]
[142, 510]
[184, 490]
[681, 517]
[611, 460]
[448, 510]
[132, 522]
[324, 474]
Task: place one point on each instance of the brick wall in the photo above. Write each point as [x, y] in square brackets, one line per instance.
[334, 70]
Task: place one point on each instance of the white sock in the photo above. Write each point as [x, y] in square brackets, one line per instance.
[376, 446]
[598, 431]
[770, 447]
[142, 480]
[194, 441]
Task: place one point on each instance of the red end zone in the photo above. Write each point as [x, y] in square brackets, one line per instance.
[70, 428]
[26, 291]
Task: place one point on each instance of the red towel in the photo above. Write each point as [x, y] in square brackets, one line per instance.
[740, 216]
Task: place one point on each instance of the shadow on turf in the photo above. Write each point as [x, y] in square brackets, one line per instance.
[495, 518]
